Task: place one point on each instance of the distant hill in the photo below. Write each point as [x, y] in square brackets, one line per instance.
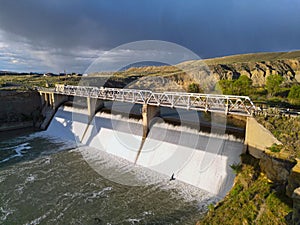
[253, 57]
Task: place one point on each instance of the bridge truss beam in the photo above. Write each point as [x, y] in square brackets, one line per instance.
[228, 104]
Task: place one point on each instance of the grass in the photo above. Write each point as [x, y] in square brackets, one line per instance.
[25, 82]
[255, 57]
[252, 200]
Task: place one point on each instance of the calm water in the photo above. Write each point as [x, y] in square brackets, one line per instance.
[45, 180]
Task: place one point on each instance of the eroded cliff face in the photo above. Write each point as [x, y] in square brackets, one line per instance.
[258, 71]
[18, 106]
[208, 72]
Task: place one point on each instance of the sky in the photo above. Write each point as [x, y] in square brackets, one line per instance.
[58, 35]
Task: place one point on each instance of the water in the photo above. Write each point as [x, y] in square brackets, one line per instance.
[45, 178]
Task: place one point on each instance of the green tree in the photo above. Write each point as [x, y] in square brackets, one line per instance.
[294, 94]
[273, 84]
[242, 86]
[194, 88]
[226, 86]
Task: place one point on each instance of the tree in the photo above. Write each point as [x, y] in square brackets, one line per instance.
[194, 88]
[226, 86]
[242, 86]
[294, 94]
[273, 84]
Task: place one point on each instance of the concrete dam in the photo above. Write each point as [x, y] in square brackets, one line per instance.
[196, 158]
[178, 152]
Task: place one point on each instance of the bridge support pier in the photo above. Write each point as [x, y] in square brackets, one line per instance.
[148, 113]
[45, 98]
[93, 105]
[50, 99]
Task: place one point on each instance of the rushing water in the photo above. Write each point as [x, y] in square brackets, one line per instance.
[45, 179]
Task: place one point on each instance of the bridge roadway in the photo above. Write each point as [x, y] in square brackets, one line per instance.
[227, 104]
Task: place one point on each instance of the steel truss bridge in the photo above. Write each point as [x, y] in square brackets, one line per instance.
[227, 104]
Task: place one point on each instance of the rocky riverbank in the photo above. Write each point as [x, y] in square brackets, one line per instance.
[19, 109]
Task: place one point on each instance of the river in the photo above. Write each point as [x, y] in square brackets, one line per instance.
[47, 178]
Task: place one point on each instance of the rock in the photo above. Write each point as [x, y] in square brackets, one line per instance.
[293, 179]
[276, 169]
[296, 206]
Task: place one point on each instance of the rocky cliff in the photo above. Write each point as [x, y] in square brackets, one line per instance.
[257, 66]
[258, 71]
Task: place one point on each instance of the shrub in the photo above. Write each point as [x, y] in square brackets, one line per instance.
[275, 148]
[236, 168]
[273, 84]
[294, 94]
[194, 88]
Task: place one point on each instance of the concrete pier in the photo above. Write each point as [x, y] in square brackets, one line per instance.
[93, 105]
[148, 113]
[52, 100]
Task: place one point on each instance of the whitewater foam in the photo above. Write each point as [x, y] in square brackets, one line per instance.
[19, 150]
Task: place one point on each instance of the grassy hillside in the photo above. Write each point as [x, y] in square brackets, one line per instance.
[254, 57]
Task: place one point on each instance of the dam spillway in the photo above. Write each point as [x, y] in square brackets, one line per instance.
[200, 159]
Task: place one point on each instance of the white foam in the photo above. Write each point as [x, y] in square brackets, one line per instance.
[19, 149]
[30, 178]
[5, 213]
[40, 219]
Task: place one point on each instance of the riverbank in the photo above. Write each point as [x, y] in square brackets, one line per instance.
[265, 187]
[254, 199]
[15, 126]
[9, 134]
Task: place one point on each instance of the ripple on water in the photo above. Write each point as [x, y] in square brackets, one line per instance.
[5, 213]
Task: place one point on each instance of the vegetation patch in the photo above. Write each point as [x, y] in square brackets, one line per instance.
[252, 200]
[287, 130]
[275, 148]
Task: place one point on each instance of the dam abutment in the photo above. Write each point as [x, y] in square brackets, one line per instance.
[277, 166]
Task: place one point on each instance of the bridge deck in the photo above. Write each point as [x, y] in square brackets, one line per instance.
[228, 104]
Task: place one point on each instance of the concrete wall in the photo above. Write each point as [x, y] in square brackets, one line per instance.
[258, 138]
[276, 166]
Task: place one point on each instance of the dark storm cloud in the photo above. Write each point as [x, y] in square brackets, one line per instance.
[209, 28]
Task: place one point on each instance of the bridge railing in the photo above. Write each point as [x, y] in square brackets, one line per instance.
[229, 104]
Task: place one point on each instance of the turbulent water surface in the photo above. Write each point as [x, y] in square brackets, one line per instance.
[45, 179]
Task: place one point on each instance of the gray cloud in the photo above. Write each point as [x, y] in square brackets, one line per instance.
[58, 35]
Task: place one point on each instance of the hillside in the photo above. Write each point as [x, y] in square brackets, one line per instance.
[256, 66]
[253, 57]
